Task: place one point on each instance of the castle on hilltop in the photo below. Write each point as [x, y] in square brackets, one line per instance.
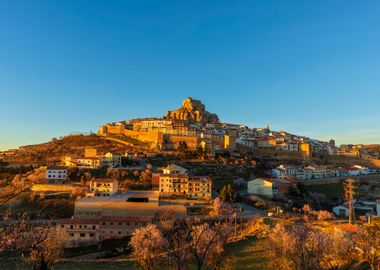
[190, 124]
[193, 112]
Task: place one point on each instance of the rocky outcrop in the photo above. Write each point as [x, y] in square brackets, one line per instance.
[193, 111]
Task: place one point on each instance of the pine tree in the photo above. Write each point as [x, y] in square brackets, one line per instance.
[227, 194]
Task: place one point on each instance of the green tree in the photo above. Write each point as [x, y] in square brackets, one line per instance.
[227, 194]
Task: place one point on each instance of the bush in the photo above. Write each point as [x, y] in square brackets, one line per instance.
[324, 215]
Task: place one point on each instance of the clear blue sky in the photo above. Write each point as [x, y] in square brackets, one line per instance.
[308, 67]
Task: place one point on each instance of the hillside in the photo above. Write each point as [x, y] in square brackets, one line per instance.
[373, 147]
[297, 159]
[73, 145]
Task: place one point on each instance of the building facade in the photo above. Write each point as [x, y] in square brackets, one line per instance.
[268, 187]
[110, 160]
[56, 174]
[175, 181]
[102, 187]
[85, 232]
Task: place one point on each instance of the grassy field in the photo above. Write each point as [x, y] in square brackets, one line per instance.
[331, 191]
[249, 254]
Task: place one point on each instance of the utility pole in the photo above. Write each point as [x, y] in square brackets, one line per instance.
[349, 192]
[241, 225]
[235, 225]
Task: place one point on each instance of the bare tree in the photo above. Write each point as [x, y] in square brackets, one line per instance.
[147, 244]
[367, 242]
[207, 245]
[299, 248]
[46, 248]
[14, 235]
[178, 236]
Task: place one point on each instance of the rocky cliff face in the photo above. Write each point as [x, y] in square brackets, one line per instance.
[193, 111]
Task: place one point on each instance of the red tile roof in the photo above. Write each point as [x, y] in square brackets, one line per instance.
[56, 168]
[199, 178]
[83, 221]
[126, 219]
[78, 221]
[101, 180]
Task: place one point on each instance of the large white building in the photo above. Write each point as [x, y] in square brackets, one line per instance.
[268, 187]
[283, 171]
[102, 187]
[175, 181]
[90, 231]
[56, 174]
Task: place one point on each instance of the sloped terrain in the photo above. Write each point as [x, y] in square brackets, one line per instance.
[73, 145]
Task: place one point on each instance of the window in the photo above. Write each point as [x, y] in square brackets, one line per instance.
[119, 223]
[82, 235]
[119, 232]
[62, 226]
[92, 235]
[111, 223]
[93, 227]
[71, 234]
[71, 227]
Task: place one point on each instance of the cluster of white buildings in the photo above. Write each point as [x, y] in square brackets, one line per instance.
[319, 172]
[92, 160]
[368, 207]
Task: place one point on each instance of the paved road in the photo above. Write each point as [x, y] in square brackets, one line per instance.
[250, 212]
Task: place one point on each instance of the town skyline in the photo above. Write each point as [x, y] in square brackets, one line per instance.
[307, 68]
[345, 139]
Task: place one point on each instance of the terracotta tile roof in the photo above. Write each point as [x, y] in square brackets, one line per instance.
[100, 180]
[56, 168]
[173, 175]
[78, 221]
[126, 219]
[95, 221]
[199, 178]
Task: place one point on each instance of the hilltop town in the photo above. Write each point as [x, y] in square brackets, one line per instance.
[191, 170]
[193, 126]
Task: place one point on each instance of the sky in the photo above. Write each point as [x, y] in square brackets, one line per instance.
[308, 67]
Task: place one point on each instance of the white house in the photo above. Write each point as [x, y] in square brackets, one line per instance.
[291, 146]
[102, 187]
[56, 174]
[110, 160]
[341, 210]
[91, 162]
[284, 170]
[362, 170]
[174, 169]
[364, 206]
[268, 187]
